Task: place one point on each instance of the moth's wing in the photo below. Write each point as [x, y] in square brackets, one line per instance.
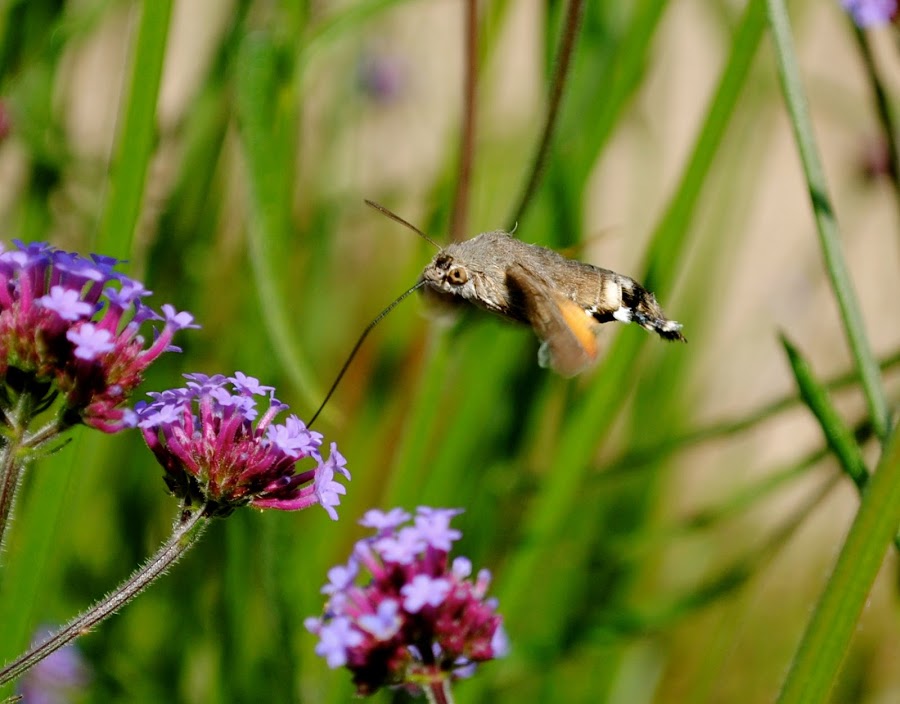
[568, 334]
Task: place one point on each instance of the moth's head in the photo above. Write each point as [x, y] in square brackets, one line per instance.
[447, 274]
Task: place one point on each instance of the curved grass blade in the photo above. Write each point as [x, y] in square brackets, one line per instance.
[826, 222]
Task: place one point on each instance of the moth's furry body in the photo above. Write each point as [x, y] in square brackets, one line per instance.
[562, 299]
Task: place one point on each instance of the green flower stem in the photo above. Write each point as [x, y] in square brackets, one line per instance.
[187, 529]
[818, 659]
[137, 136]
[826, 224]
[12, 465]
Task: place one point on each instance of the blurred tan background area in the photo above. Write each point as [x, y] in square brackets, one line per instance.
[772, 280]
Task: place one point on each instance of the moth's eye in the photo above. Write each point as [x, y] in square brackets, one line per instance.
[457, 276]
[442, 261]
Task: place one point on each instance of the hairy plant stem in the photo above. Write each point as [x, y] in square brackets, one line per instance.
[12, 464]
[187, 529]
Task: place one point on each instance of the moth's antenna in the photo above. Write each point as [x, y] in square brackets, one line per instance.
[362, 337]
[396, 218]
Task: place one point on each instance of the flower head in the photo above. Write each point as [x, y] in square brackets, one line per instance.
[69, 325]
[205, 438]
[871, 13]
[401, 613]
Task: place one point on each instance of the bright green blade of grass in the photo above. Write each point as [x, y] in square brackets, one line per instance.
[837, 434]
[818, 659]
[268, 140]
[137, 136]
[597, 411]
[826, 222]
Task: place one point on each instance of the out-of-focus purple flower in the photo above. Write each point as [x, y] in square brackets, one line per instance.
[401, 613]
[871, 13]
[382, 77]
[70, 325]
[57, 679]
[214, 455]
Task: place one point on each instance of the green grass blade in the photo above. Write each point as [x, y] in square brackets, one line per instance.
[818, 659]
[268, 146]
[826, 223]
[837, 434]
[598, 410]
[138, 133]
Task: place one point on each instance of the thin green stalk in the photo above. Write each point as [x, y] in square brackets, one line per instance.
[187, 529]
[138, 134]
[838, 436]
[11, 463]
[459, 213]
[577, 445]
[630, 459]
[571, 26]
[727, 579]
[882, 108]
[826, 223]
[267, 124]
[818, 659]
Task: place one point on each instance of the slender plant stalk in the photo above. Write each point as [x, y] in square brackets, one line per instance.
[826, 223]
[719, 429]
[882, 108]
[187, 529]
[838, 436]
[591, 420]
[268, 148]
[572, 24]
[12, 465]
[137, 136]
[459, 214]
[818, 659]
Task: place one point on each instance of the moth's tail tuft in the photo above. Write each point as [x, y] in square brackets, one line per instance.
[645, 311]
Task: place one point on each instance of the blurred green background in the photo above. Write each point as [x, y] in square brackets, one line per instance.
[659, 529]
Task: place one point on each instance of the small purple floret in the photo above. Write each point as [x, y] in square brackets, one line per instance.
[90, 342]
[424, 591]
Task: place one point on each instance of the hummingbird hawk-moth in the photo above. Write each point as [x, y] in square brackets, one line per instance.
[563, 300]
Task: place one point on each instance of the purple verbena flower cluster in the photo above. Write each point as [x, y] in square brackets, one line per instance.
[70, 325]
[417, 619]
[214, 456]
[871, 13]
